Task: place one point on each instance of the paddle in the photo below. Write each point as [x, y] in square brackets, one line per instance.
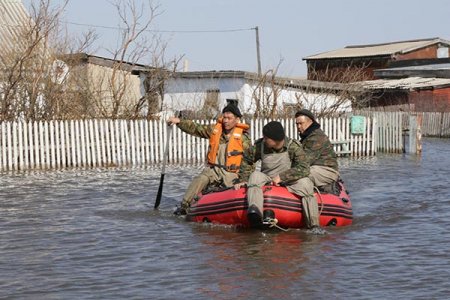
[163, 171]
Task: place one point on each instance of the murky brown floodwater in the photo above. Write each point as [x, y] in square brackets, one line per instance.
[92, 234]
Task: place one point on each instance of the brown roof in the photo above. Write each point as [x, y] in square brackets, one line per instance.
[77, 58]
[386, 49]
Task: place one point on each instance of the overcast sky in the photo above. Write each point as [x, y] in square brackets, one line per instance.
[289, 29]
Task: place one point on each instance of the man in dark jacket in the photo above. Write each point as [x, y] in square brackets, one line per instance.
[323, 160]
[283, 162]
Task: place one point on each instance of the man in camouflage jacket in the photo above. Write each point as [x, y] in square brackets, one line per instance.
[317, 145]
[283, 162]
[212, 174]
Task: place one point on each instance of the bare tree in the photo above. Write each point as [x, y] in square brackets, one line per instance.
[324, 98]
[25, 63]
[44, 76]
[137, 45]
[155, 79]
[34, 79]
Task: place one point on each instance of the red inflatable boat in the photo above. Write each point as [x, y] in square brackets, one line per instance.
[230, 207]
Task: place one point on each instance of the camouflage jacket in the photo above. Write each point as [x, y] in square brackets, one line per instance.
[204, 131]
[318, 147]
[299, 161]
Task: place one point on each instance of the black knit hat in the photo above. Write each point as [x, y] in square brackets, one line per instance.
[274, 130]
[305, 112]
[232, 108]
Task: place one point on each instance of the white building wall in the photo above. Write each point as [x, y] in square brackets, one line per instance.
[187, 93]
[313, 101]
[190, 94]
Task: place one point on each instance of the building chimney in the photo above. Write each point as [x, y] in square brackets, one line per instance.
[185, 65]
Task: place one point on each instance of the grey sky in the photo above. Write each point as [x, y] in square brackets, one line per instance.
[289, 29]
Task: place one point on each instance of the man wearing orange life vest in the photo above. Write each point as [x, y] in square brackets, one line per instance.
[228, 139]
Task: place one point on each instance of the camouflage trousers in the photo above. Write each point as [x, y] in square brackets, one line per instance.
[303, 187]
[321, 175]
[209, 176]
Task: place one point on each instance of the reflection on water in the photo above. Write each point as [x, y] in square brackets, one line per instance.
[90, 234]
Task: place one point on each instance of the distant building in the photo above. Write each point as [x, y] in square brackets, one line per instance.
[366, 58]
[207, 92]
[109, 84]
[426, 68]
[420, 84]
[410, 94]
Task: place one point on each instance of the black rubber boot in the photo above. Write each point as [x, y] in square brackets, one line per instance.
[254, 216]
[180, 211]
[268, 216]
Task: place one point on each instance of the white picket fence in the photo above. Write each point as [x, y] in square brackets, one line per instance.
[105, 143]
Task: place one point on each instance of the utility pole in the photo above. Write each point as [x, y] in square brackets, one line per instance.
[258, 57]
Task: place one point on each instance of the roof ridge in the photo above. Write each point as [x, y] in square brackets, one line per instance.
[390, 43]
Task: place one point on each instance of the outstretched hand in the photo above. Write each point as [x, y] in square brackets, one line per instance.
[173, 120]
[276, 180]
[237, 186]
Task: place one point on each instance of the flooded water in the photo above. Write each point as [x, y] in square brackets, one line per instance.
[92, 234]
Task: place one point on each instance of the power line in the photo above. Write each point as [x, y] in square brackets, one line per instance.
[164, 31]
[149, 30]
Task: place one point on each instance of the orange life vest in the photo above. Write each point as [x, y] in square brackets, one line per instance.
[235, 149]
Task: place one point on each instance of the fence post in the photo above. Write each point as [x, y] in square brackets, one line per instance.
[415, 134]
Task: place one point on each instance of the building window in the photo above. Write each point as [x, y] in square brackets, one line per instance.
[442, 52]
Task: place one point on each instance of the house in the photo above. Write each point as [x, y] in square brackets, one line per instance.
[421, 85]
[112, 87]
[207, 92]
[426, 68]
[360, 61]
[38, 82]
[410, 94]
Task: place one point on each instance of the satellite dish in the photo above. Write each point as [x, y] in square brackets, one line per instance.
[59, 71]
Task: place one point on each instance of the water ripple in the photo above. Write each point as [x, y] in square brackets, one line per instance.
[93, 234]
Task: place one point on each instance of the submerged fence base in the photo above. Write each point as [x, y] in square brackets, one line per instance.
[105, 143]
[415, 134]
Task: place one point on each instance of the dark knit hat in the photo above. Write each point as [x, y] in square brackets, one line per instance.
[274, 130]
[305, 112]
[232, 108]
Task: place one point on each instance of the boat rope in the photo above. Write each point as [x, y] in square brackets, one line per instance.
[320, 198]
[274, 223]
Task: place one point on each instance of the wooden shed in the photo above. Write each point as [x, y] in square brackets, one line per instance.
[364, 59]
[411, 94]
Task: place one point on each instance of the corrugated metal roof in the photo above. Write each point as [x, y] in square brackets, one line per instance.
[13, 19]
[428, 71]
[432, 67]
[386, 49]
[406, 83]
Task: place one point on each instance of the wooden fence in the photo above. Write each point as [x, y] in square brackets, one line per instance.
[104, 143]
[436, 124]
[389, 136]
